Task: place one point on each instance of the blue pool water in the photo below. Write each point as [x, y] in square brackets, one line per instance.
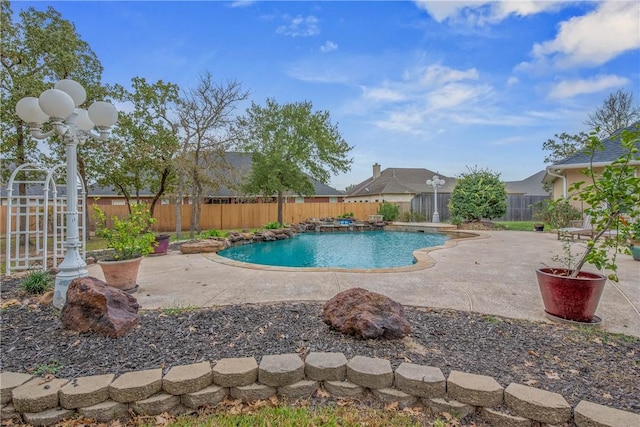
[371, 249]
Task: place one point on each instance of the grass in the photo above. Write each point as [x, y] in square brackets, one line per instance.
[50, 368]
[518, 225]
[273, 413]
[178, 309]
[37, 282]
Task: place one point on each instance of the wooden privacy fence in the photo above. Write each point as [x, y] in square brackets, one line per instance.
[255, 215]
[250, 215]
[519, 207]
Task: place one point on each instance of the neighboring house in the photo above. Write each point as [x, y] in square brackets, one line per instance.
[407, 187]
[561, 175]
[239, 165]
[396, 185]
[532, 186]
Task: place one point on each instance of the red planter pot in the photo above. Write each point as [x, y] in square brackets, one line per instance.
[162, 246]
[570, 298]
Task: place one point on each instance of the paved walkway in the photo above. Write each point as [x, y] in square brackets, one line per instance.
[492, 275]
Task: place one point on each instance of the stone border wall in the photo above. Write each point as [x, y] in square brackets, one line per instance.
[43, 402]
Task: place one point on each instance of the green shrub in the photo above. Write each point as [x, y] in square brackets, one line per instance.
[130, 237]
[389, 212]
[212, 233]
[557, 214]
[414, 217]
[346, 215]
[272, 225]
[478, 194]
[38, 282]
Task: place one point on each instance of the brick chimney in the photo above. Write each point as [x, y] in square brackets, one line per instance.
[376, 171]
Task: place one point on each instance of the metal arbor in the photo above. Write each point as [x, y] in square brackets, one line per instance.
[36, 220]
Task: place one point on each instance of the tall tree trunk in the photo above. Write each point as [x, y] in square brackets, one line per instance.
[280, 208]
[178, 205]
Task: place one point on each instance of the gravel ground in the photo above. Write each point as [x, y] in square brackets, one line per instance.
[577, 363]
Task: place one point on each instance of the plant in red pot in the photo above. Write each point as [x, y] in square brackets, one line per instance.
[130, 239]
[611, 194]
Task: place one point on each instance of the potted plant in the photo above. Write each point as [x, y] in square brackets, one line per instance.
[634, 239]
[130, 239]
[161, 245]
[611, 197]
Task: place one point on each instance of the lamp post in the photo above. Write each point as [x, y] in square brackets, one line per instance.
[435, 182]
[59, 107]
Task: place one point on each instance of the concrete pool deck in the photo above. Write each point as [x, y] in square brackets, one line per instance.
[492, 275]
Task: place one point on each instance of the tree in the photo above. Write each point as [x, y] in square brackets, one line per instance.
[205, 114]
[478, 194]
[617, 112]
[35, 51]
[140, 154]
[567, 145]
[289, 146]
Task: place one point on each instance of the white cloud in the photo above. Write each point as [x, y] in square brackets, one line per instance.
[328, 46]
[425, 95]
[592, 39]
[480, 12]
[241, 3]
[570, 88]
[512, 80]
[300, 27]
[382, 94]
[438, 75]
[455, 94]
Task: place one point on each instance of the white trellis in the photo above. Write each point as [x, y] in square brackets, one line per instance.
[36, 220]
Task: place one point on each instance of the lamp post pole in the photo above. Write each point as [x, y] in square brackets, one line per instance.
[74, 125]
[435, 182]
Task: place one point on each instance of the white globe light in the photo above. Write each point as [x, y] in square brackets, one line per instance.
[29, 111]
[56, 103]
[103, 114]
[83, 121]
[73, 89]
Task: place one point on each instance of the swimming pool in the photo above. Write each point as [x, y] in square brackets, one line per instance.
[359, 250]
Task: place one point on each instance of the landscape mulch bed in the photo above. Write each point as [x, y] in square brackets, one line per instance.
[578, 363]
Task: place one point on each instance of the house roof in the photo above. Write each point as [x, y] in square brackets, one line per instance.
[239, 165]
[400, 181]
[612, 150]
[531, 186]
[414, 181]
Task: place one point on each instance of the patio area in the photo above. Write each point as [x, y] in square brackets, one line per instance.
[491, 275]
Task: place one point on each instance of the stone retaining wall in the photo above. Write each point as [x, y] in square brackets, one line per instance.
[43, 402]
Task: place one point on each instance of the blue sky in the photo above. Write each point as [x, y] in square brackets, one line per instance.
[435, 84]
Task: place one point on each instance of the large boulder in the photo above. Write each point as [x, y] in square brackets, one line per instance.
[207, 245]
[366, 315]
[93, 306]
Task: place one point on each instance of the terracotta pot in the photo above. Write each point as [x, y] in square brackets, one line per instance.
[162, 241]
[121, 274]
[570, 298]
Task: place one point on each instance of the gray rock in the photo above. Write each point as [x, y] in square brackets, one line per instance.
[326, 366]
[370, 372]
[536, 404]
[281, 369]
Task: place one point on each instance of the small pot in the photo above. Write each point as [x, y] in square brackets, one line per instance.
[121, 274]
[162, 245]
[635, 250]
